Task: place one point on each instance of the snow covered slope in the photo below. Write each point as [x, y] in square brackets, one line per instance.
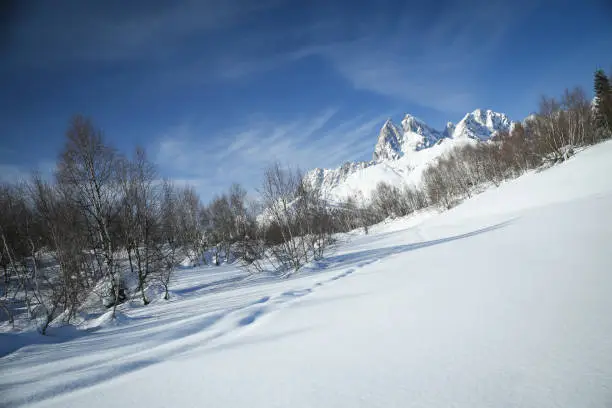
[402, 153]
[503, 301]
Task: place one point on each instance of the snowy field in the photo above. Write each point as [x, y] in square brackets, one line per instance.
[504, 301]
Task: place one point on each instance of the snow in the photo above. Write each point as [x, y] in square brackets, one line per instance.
[407, 170]
[417, 135]
[402, 154]
[501, 301]
[481, 125]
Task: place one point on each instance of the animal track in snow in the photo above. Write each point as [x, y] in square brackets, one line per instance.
[262, 300]
[251, 317]
[297, 293]
[342, 275]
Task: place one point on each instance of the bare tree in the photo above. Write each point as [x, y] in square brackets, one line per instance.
[316, 220]
[223, 224]
[12, 247]
[580, 120]
[169, 238]
[139, 215]
[87, 175]
[190, 227]
[279, 191]
[437, 188]
[179, 231]
[415, 198]
[23, 235]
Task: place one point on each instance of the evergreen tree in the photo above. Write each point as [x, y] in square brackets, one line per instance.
[603, 102]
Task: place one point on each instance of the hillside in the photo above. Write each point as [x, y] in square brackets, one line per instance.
[502, 301]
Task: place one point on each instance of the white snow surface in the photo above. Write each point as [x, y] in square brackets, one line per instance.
[401, 154]
[503, 301]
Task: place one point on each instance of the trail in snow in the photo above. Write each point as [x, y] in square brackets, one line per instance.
[150, 335]
[502, 301]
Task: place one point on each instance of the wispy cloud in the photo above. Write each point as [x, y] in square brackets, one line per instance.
[13, 173]
[434, 63]
[241, 153]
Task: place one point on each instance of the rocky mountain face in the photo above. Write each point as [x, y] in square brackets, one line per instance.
[481, 125]
[414, 134]
[405, 149]
[388, 146]
[328, 178]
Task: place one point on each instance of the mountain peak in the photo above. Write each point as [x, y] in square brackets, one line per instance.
[417, 134]
[388, 143]
[449, 130]
[408, 118]
[389, 125]
[481, 125]
[478, 112]
[413, 135]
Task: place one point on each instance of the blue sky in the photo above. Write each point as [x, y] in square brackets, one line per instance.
[217, 89]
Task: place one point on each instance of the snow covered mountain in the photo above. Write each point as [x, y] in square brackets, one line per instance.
[481, 125]
[333, 177]
[394, 142]
[402, 153]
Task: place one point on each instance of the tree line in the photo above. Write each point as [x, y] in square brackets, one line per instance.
[103, 218]
[108, 226]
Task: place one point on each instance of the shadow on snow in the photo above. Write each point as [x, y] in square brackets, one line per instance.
[95, 372]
